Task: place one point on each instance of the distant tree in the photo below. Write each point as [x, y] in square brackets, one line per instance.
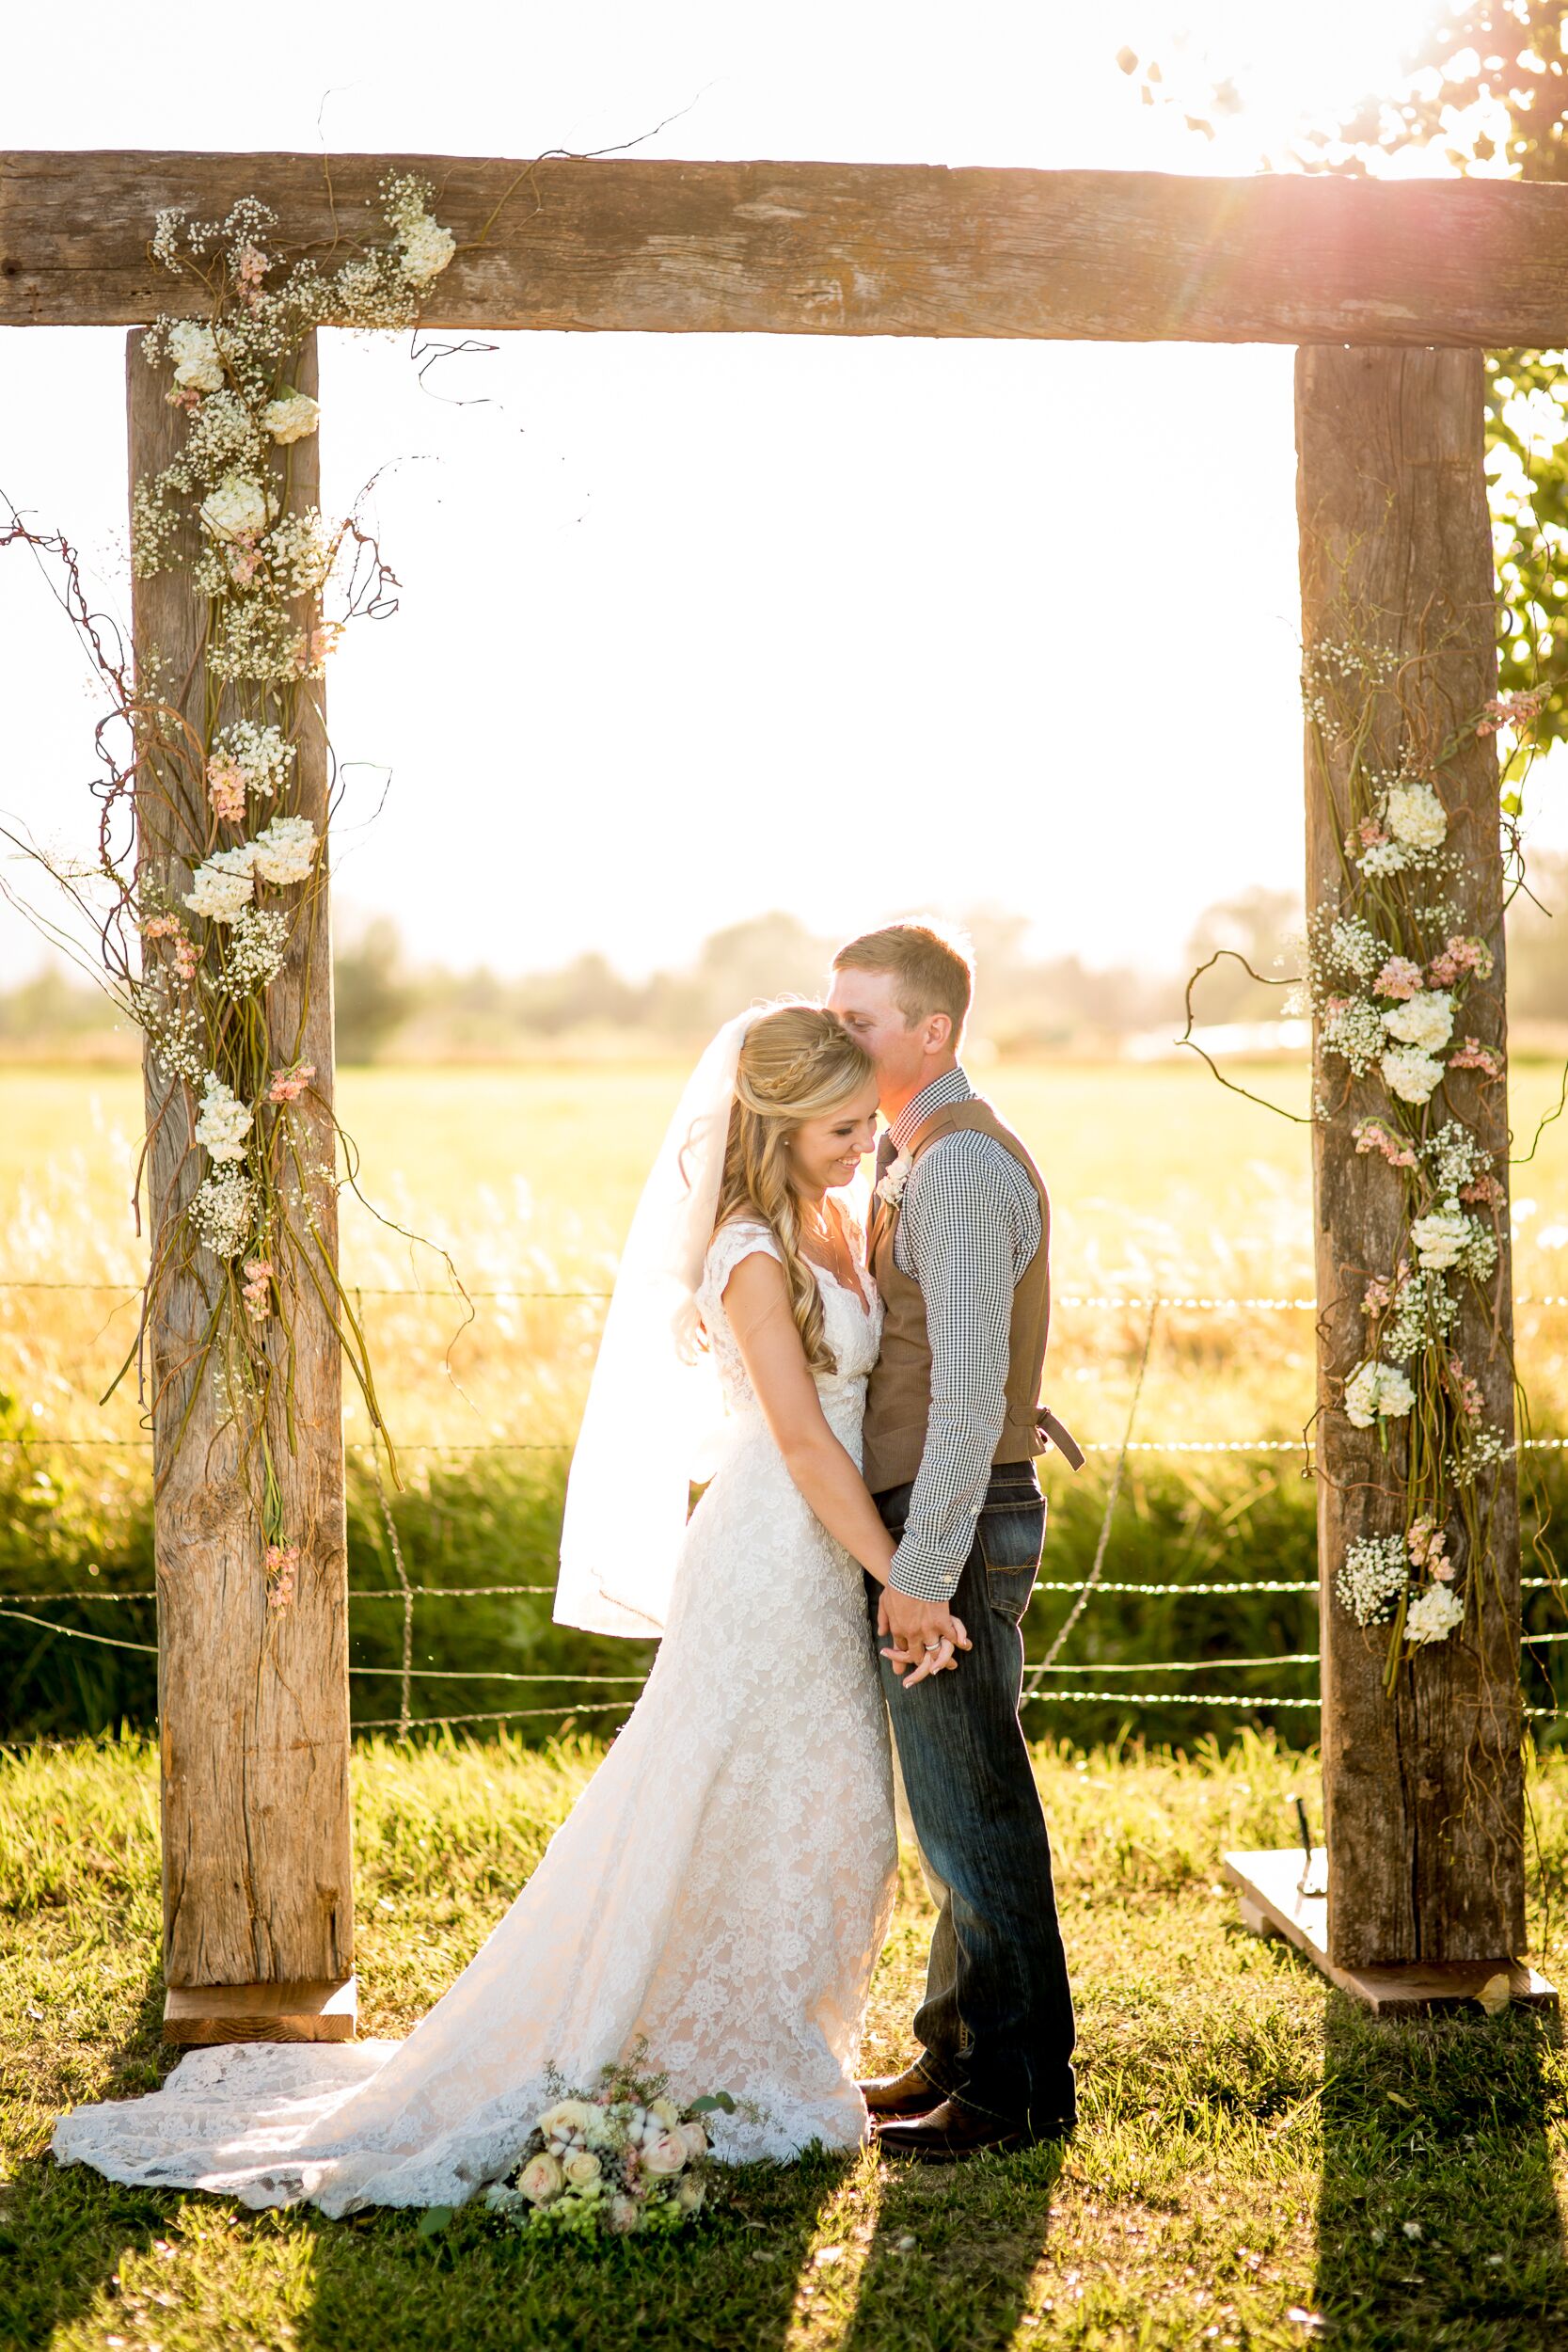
[372, 998]
[1255, 924]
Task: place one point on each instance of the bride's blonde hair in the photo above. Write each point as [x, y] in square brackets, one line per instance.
[796, 1063]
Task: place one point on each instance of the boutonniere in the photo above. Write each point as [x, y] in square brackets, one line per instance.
[890, 1190]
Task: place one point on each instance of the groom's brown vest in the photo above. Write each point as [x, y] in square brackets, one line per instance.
[899, 1399]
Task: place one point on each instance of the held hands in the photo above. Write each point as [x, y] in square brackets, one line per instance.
[925, 1635]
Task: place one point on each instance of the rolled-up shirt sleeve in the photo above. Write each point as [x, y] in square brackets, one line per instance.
[970, 1225]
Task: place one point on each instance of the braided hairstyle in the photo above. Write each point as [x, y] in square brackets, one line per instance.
[796, 1063]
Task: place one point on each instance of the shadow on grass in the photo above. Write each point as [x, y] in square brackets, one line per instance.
[64, 2228]
[728, 2287]
[1437, 2220]
[954, 2251]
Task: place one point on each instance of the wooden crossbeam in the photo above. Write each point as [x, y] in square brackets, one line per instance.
[826, 249]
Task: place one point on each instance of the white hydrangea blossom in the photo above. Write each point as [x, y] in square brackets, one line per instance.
[222, 886]
[223, 1212]
[285, 852]
[1377, 1390]
[224, 1121]
[239, 507]
[291, 419]
[1415, 816]
[194, 350]
[1412, 1074]
[1425, 1020]
[1432, 1615]
[1373, 1574]
[1439, 1239]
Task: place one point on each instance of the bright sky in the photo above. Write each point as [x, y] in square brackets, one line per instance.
[694, 627]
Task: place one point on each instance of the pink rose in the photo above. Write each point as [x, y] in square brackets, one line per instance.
[667, 2153]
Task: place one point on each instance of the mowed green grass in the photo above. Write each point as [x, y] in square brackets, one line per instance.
[1258, 2164]
[1162, 1180]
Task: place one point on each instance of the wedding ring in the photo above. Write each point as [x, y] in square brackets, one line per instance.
[933, 1645]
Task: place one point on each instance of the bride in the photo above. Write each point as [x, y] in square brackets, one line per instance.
[723, 1885]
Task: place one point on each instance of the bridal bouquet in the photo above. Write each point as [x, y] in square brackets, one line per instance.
[622, 2159]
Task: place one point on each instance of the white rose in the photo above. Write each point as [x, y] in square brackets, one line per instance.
[624, 2215]
[221, 887]
[427, 247]
[240, 508]
[1432, 1615]
[693, 2138]
[1413, 814]
[292, 418]
[581, 2167]
[1439, 1239]
[284, 853]
[195, 353]
[541, 2180]
[690, 2194]
[1425, 1020]
[665, 2154]
[1375, 1389]
[1412, 1074]
[667, 2112]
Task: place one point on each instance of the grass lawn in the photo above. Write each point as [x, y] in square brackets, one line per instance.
[1258, 2164]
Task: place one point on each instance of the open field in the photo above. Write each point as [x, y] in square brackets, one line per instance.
[1163, 1182]
[1258, 2165]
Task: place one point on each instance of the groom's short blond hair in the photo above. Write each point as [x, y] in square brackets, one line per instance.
[932, 971]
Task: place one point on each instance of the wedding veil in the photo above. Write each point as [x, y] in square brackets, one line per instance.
[653, 1399]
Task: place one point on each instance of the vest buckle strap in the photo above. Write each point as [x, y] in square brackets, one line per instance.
[1053, 1432]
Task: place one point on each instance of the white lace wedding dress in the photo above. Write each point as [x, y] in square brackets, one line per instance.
[723, 1887]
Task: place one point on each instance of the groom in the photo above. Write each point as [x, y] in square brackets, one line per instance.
[959, 1246]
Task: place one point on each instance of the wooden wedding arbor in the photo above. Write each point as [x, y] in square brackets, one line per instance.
[1392, 291]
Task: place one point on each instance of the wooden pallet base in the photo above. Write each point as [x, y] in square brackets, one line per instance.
[1272, 1904]
[200, 2015]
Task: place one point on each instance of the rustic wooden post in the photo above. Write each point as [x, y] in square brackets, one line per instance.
[1422, 1790]
[253, 1704]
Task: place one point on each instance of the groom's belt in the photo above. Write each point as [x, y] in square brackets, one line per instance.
[1050, 1431]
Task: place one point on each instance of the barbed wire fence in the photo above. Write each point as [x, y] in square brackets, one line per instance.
[18, 1605]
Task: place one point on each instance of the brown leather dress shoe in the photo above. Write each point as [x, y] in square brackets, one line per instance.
[909, 2093]
[953, 2130]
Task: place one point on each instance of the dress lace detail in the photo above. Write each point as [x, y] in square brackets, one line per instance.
[722, 1885]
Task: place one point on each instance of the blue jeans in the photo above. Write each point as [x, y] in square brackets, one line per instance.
[996, 2025]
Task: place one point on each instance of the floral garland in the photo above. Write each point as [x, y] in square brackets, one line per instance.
[1389, 976]
[194, 967]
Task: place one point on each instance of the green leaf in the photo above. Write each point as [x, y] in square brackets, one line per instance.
[1511, 804]
[716, 2101]
[434, 2219]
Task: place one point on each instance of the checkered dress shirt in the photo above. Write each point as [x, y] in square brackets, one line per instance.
[969, 1224]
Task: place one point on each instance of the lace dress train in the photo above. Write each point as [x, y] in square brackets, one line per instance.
[722, 1887]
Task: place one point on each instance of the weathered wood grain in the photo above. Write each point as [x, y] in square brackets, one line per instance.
[1422, 1794]
[253, 1707]
[827, 248]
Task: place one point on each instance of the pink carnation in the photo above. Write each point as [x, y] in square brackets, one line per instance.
[226, 789]
[1473, 1055]
[162, 926]
[1511, 710]
[283, 1565]
[186, 957]
[1486, 1188]
[1372, 1135]
[289, 1085]
[1397, 977]
[257, 1287]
